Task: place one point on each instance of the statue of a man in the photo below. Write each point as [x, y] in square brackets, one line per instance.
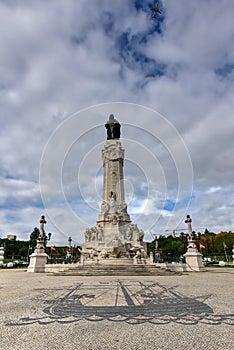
[188, 221]
[113, 128]
[41, 230]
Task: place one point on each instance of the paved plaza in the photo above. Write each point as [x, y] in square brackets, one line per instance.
[189, 311]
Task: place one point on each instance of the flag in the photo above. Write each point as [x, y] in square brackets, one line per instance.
[202, 246]
[53, 248]
[225, 246]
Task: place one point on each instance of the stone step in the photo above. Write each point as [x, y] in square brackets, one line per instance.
[116, 270]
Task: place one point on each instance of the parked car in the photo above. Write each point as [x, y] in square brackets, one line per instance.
[211, 262]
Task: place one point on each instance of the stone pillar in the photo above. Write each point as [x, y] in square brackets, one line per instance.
[113, 179]
[113, 157]
[38, 259]
[193, 257]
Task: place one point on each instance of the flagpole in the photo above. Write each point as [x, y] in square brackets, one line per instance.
[29, 248]
[224, 247]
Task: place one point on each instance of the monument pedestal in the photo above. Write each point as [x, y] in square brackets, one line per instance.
[37, 262]
[194, 261]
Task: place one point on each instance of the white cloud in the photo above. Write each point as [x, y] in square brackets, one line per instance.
[213, 189]
[59, 57]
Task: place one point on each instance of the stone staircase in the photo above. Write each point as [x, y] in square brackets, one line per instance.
[116, 270]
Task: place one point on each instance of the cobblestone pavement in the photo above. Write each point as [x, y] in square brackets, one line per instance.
[189, 311]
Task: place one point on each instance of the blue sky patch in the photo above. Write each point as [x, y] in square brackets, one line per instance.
[11, 218]
[225, 71]
[169, 205]
[135, 59]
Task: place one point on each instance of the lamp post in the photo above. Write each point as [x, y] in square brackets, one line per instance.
[47, 238]
[69, 252]
[157, 253]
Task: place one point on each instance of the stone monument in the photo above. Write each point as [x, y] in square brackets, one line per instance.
[39, 258]
[114, 237]
[192, 257]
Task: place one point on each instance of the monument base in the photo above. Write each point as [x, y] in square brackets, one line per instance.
[37, 262]
[136, 260]
[194, 261]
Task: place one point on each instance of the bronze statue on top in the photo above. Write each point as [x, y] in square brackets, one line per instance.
[113, 128]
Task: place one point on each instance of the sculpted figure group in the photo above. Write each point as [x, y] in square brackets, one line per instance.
[134, 234]
[94, 233]
[113, 206]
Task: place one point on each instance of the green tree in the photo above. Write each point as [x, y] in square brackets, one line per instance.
[33, 237]
[23, 251]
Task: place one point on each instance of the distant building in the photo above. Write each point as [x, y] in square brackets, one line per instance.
[11, 237]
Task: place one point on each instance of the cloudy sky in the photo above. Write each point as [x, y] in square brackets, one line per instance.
[65, 65]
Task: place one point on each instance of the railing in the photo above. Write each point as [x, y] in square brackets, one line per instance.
[63, 260]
